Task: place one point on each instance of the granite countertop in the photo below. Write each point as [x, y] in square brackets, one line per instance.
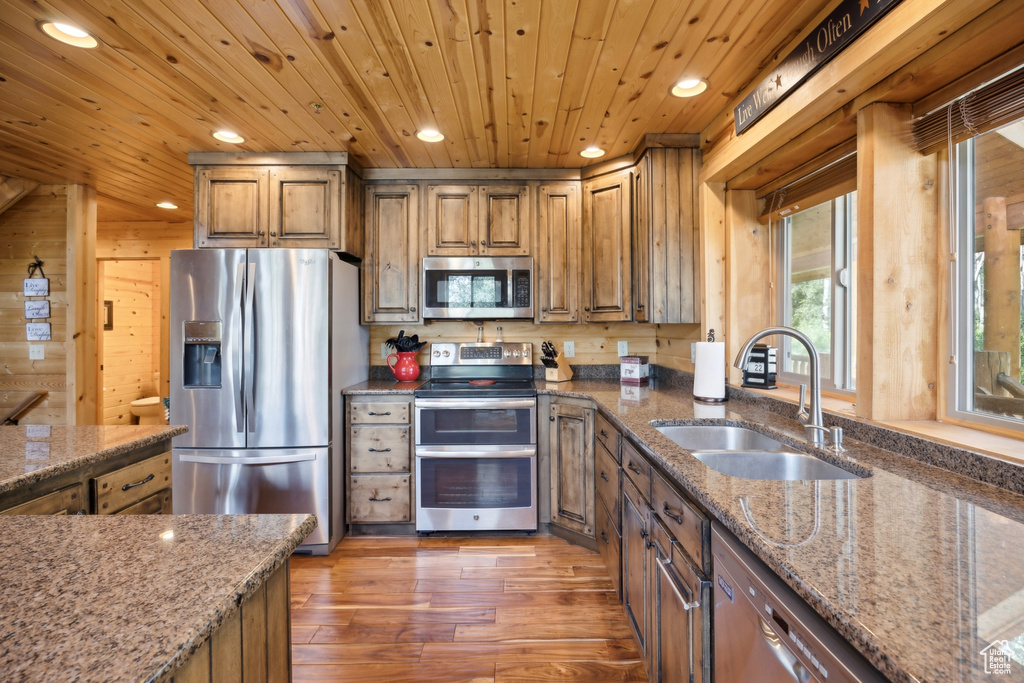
[916, 565]
[31, 453]
[100, 598]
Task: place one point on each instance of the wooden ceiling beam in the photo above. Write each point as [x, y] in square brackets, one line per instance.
[13, 189]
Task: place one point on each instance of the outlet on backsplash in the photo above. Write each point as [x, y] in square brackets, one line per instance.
[569, 349]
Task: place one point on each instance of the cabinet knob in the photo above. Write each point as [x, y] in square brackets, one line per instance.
[472, 243]
[262, 233]
[552, 418]
[586, 308]
[544, 309]
[412, 309]
[639, 307]
[483, 243]
[273, 233]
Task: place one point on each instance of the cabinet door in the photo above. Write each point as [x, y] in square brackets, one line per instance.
[642, 239]
[390, 271]
[231, 206]
[635, 557]
[504, 228]
[572, 467]
[305, 207]
[607, 219]
[451, 220]
[557, 264]
[66, 501]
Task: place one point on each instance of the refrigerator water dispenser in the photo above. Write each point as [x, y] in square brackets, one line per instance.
[201, 357]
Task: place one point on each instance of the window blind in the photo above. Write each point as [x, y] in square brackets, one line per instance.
[825, 183]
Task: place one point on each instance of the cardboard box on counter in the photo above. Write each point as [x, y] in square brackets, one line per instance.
[634, 370]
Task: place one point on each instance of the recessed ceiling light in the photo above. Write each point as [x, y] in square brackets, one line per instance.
[592, 153]
[429, 135]
[66, 33]
[167, 205]
[688, 87]
[229, 136]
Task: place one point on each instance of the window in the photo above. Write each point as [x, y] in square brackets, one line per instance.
[817, 267]
[987, 339]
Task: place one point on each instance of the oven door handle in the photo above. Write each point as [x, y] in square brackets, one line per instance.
[449, 452]
[477, 403]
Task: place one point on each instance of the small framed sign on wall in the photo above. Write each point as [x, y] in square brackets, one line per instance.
[37, 331]
[36, 286]
[37, 308]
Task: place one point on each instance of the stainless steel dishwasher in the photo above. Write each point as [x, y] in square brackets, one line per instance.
[764, 632]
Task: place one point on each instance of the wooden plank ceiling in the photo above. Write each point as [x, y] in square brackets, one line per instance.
[511, 83]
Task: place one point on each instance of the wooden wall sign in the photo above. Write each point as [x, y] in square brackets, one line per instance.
[840, 28]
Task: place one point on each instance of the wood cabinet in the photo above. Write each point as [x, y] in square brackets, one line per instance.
[666, 263]
[379, 459]
[635, 570]
[607, 262]
[571, 448]
[258, 203]
[608, 482]
[66, 501]
[485, 220]
[124, 487]
[391, 269]
[557, 257]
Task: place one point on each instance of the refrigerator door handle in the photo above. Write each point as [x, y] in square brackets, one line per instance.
[250, 348]
[248, 460]
[239, 394]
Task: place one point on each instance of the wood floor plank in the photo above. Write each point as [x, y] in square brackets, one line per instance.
[571, 583]
[365, 600]
[516, 572]
[546, 630]
[303, 634]
[538, 651]
[459, 585]
[380, 586]
[454, 615]
[452, 672]
[394, 633]
[543, 560]
[571, 672]
[512, 615]
[519, 599]
[498, 550]
[444, 561]
[357, 653]
[309, 616]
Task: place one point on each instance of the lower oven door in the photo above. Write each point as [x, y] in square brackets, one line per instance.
[483, 488]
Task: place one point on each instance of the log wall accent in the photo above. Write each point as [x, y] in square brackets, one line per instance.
[897, 281]
[35, 226]
[80, 345]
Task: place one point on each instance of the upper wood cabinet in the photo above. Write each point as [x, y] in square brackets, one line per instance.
[557, 258]
[250, 201]
[390, 272]
[666, 286]
[485, 220]
[607, 223]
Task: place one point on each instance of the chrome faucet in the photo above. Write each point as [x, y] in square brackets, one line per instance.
[812, 421]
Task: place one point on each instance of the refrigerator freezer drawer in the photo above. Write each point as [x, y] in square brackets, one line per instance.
[254, 481]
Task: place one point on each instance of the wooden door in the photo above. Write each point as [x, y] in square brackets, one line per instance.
[557, 263]
[607, 279]
[305, 207]
[451, 220]
[635, 557]
[505, 226]
[390, 272]
[231, 206]
[572, 467]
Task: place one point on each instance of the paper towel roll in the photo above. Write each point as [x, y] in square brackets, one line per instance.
[709, 372]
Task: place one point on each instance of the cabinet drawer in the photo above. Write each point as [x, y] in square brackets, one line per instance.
[609, 544]
[636, 468]
[380, 449]
[608, 435]
[608, 478]
[686, 524]
[67, 501]
[380, 498]
[157, 504]
[379, 412]
[119, 489]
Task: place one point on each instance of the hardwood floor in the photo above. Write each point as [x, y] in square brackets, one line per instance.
[458, 609]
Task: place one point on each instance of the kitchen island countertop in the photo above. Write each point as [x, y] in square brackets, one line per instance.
[101, 598]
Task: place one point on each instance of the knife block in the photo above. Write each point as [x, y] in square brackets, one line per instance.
[563, 373]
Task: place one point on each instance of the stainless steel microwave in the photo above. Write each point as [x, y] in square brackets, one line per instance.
[477, 287]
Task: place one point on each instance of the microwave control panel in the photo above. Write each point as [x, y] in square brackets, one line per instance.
[521, 288]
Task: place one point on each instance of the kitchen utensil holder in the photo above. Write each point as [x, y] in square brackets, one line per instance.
[562, 373]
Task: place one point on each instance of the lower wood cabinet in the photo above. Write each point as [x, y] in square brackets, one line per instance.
[378, 459]
[635, 570]
[67, 501]
[129, 486]
[571, 448]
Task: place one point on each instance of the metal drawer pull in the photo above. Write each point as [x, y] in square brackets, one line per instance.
[138, 483]
[370, 412]
[668, 512]
[379, 450]
[604, 537]
[604, 435]
[687, 604]
[604, 476]
[633, 468]
[380, 500]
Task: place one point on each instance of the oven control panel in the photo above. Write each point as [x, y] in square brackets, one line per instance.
[481, 353]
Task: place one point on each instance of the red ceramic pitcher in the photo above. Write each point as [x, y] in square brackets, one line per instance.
[405, 367]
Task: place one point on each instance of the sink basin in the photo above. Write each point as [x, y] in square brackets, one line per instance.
[719, 438]
[772, 465]
[741, 452]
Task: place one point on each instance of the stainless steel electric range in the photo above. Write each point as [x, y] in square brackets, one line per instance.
[476, 439]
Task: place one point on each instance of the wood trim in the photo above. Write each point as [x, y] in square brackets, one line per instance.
[711, 209]
[82, 313]
[272, 159]
[12, 190]
[475, 175]
[748, 308]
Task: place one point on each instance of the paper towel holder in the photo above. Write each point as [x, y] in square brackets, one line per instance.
[710, 399]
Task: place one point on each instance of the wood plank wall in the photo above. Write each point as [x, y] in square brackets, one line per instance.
[148, 240]
[132, 349]
[35, 226]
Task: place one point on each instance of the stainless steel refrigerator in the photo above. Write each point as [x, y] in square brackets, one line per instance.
[262, 343]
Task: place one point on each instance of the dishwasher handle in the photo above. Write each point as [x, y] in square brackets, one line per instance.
[786, 658]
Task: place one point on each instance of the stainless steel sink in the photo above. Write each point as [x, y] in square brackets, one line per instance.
[719, 438]
[773, 465]
[741, 452]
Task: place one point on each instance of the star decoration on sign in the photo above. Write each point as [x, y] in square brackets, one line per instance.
[778, 82]
[864, 5]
